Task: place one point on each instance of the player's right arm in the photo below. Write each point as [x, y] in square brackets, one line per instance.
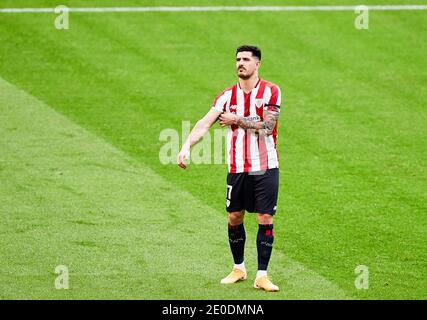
[202, 126]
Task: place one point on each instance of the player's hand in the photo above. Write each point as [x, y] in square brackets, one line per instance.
[227, 119]
[183, 155]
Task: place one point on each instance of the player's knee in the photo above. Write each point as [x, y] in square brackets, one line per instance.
[265, 218]
[236, 218]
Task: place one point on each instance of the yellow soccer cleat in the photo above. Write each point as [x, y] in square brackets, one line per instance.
[234, 276]
[265, 283]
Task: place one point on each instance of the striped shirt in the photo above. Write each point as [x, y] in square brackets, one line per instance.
[246, 150]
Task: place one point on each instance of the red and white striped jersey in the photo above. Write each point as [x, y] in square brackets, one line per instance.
[246, 150]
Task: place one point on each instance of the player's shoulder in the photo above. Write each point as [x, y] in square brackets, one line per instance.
[224, 95]
[226, 91]
[270, 84]
[230, 88]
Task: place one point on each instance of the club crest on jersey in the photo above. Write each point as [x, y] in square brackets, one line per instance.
[233, 109]
[259, 102]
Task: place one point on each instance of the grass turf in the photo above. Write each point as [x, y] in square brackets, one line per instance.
[351, 142]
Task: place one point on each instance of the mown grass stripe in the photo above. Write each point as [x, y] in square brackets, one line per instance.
[141, 236]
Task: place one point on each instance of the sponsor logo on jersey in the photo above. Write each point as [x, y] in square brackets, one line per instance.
[253, 118]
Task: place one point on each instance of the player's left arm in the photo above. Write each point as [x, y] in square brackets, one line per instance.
[270, 116]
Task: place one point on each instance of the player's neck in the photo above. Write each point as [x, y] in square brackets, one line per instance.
[248, 84]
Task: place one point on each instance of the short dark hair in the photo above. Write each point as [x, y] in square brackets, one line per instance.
[255, 50]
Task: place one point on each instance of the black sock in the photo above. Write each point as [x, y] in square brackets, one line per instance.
[264, 243]
[237, 238]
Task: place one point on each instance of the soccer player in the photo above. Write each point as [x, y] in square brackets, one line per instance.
[250, 109]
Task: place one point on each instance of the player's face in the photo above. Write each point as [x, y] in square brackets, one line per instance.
[246, 64]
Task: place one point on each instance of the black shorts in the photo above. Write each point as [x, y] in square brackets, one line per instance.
[253, 192]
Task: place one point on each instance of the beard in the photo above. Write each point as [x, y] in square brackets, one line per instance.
[245, 76]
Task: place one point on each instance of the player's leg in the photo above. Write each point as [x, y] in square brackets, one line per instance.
[237, 238]
[236, 229]
[266, 191]
[236, 215]
[265, 239]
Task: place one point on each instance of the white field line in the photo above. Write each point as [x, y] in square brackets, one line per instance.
[217, 8]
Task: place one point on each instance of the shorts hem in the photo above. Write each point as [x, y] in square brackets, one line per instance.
[272, 213]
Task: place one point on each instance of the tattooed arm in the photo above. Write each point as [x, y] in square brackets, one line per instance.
[265, 127]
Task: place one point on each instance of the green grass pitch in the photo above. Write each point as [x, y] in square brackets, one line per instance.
[82, 184]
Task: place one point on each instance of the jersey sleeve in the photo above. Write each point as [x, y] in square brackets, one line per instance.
[275, 100]
[220, 101]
